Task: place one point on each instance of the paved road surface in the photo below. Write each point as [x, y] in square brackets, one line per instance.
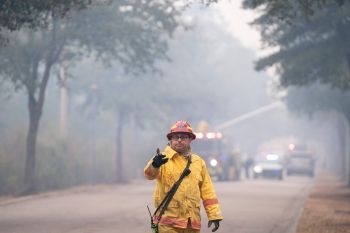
[249, 206]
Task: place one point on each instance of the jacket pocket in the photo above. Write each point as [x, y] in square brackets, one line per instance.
[196, 211]
[173, 209]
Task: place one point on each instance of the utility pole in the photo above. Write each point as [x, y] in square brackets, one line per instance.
[346, 133]
[63, 81]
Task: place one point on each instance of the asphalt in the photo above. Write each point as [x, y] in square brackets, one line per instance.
[327, 208]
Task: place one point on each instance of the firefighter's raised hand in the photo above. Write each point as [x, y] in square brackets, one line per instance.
[159, 159]
[216, 224]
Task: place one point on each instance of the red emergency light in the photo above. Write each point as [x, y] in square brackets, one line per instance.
[209, 135]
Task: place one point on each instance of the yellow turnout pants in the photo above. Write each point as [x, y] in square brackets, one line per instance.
[170, 229]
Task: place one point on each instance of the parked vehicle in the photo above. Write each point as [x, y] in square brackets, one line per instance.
[301, 162]
[269, 165]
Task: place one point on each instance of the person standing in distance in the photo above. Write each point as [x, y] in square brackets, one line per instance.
[183, 212]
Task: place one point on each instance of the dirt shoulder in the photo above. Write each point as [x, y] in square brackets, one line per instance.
[327, 209]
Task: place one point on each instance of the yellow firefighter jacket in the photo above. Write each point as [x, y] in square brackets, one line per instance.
[184, 208]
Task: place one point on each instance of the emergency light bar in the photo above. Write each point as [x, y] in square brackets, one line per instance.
[209, 135]
[272, 157]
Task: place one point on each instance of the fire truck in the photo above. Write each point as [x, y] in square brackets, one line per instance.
[211, 147]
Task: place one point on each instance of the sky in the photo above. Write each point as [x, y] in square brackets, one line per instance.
[236, 20]
[230, 15]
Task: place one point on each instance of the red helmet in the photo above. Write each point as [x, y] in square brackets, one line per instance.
[181, 127]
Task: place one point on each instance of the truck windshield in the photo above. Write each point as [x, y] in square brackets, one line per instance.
[206, 147]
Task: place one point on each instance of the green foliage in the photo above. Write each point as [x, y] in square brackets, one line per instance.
[113, 34]
[310, 50]
[76, 161]
[276, 12]
[34, 13]
[12, 142]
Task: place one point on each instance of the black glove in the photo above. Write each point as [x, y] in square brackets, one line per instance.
[159, 160]
[216, 224]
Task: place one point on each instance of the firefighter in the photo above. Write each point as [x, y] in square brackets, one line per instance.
[236, 162]
[183, 211]
[247, 164]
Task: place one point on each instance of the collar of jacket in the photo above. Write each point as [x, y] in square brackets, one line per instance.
[169, 152]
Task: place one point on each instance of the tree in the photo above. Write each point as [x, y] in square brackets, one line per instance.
[313, 47]
[314, 50]
[308, 50]
[126, 33]
[279, 11]
[16, 14]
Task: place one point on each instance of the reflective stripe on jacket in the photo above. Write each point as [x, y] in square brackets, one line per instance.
[197, 186]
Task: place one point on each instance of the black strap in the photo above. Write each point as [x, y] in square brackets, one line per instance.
[165, 202]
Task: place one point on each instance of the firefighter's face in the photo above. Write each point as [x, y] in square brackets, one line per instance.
[180, 142]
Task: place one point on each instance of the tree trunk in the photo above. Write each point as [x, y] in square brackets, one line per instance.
[347, 68]
[64, 100]
[34, 118]
[35, 110]
[119, 148]
[344, 132]
[35, 106]
[347, 149]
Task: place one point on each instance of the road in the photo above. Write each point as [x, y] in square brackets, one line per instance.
[249, 206]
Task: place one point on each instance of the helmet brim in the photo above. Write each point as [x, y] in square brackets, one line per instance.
[192, 135]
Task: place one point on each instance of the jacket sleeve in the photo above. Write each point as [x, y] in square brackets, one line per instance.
[151, 172]
[210, 200]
